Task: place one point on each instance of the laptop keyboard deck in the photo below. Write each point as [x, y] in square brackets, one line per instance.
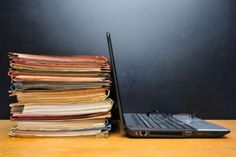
[159, 121]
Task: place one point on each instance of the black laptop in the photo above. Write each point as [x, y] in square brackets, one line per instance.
[157, 124]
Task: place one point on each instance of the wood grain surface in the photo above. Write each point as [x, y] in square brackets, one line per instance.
[117, 145]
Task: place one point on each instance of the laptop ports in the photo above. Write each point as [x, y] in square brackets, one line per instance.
[143, 133]
[188, 133]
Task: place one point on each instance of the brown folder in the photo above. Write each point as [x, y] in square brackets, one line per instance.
[56, 58]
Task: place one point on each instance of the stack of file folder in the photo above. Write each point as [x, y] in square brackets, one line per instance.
[59, 96]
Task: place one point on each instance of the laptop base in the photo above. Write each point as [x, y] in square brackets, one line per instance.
[170, 127]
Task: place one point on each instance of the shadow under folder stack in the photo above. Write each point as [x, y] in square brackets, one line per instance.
[60, 96]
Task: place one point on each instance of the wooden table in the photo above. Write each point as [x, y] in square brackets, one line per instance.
[117, 146]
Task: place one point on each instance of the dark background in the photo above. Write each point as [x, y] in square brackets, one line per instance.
[171, 55]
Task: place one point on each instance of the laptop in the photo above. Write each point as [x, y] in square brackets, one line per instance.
[157, 124]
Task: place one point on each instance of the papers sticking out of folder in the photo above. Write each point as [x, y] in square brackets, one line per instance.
[60, 96]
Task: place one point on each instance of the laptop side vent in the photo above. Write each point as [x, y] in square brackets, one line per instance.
[159, 133]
